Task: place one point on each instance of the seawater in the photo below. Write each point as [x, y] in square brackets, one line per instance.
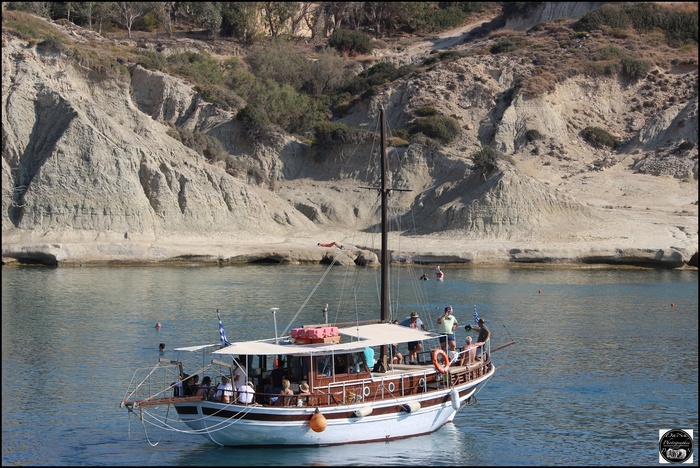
[604, 359]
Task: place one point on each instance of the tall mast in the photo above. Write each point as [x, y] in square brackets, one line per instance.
[384, 301]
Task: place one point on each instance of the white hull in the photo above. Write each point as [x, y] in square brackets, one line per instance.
[262, 425]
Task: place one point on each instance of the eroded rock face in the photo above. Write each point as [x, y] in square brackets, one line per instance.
[81, 156]
[90, 159]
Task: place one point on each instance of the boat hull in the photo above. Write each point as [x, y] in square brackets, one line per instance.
[236, 425]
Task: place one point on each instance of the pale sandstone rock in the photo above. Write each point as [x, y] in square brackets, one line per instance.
[90, 174]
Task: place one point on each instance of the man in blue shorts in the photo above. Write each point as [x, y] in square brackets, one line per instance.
[414, 346]
[447, 325]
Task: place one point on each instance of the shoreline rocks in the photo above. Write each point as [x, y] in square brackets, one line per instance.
[127, 253]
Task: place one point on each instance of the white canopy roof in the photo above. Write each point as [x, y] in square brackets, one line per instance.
[196, 348]
[353, 339]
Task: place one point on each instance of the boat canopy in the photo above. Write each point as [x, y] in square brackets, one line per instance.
[360, 337]
[196, 348]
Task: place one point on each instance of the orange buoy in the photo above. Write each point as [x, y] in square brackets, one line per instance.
[437, 354]
[318, 422]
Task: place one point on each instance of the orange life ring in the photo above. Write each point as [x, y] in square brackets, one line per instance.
[436, 360]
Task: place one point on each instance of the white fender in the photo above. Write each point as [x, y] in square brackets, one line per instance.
[454, 394]
[364, 411]
[411, 407]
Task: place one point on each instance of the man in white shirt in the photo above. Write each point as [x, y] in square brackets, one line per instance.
[224, 392]
[246, 393]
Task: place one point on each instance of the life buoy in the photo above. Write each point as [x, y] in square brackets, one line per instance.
[436, 360]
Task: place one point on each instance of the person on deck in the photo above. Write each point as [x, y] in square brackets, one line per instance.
[468, 352]
[203, 390]
[369, 357]
[187, 389]
[277, 375]
[286, 394]
[414, 346]
[224, 392]
[194, 384]
[484, 334]
[448, 323]
[304, 393]
[246, 393]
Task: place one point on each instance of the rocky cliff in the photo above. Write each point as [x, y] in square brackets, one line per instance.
[91, 173]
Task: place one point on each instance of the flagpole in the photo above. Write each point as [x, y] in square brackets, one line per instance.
[222, 332]
[274, 316]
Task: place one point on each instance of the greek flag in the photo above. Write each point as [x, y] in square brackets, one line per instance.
[222, 332]
[476, 315]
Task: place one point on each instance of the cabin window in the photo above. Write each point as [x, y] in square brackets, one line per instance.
[341, 363]
[324, 365]
[357, 363]
[297, 369]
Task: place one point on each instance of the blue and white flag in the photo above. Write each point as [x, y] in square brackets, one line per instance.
[222, 332]
[476, 315]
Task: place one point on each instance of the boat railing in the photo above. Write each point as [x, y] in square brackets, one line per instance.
[318, 398]
[154, 383]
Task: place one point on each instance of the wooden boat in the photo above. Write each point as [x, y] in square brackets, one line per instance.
[350, 400]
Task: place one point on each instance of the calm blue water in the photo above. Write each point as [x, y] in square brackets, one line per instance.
[602, 361]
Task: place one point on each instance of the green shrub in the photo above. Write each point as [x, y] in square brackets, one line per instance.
[439, 19]
[200, 68]
[608, 15]
[147, 22]
[329, 133]
[254, 121]
[609, 52]
[204, 144]
[532, 135]
[350, 42]
[150, 60]
[682, 27]
[635, 69]
[400, 133]
[508, 45]
[340, 104]
[23, 31]
[599, 137]
[486, 159]
[397, 142]
[220, 97]
[173, 133]
[445, 129]
[426, 111]
[279, 61]
[679, 26]
[444, 56]
[379, 74]
[52, 43]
